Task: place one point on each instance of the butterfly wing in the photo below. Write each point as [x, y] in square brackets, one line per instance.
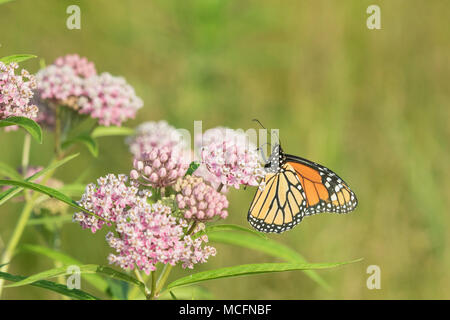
[325, 191]
[281, 204]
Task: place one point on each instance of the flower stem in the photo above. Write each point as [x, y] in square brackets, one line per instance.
[162, 279]
[153, 287]
[58, 150]
[26, 154]
[18, 230]
[139, 277]
[17, 234]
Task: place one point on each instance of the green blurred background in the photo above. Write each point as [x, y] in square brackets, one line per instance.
[370, 104]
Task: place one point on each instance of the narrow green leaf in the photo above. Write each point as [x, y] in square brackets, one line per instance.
[111, 131]
[8, 194]
[85, 139]
[250, 269]
[16, 57]
[74, 189]
[29, 125]
[9, 172]
[269, 247]
[49, 285]
[84, 269]
[94, 279]
[192, 167]
[48, 191]
[229, 227]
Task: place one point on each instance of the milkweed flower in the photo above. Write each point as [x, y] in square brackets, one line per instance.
[231, 158]
[149, 234]
[60, 85]
[109, 99]
[16, 92]
[108, 199]
[159, 168]
[80, 65]
[151, 134]
[198, 200]
[72, 81]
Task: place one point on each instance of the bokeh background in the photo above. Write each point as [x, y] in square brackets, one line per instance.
[372, 105]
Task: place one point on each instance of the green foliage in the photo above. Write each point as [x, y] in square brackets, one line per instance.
[11, 192]
[85, 139]
[49, 192]
[84, 269]
[267, 246]
[52, 286]
[29, 125]
[250, 269]
[94, 279]
[111, 131]
[17, 57]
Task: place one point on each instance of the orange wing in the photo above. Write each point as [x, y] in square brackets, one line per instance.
[325, 191]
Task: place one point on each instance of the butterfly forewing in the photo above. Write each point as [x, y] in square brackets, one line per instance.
[325, 190]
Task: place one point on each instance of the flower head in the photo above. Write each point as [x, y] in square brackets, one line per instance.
[80, 65]
[108, 199]
[59, 84]
[16, 92]
[198, 200]
[109, 99]
[231, 158]
[161, 167]
[150, 234]
[151, 134]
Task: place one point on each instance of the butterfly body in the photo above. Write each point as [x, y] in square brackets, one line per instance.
[293, 188]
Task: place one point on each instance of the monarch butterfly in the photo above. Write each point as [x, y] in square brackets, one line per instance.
[294, 188]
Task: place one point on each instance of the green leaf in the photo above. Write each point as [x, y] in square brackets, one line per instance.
[229, 227]
[8, 194]
[85, 139]
[250, 269]
[267, 246]
[48, 191]
[84, 269]
[74, 189]
[29, 125]
[16, 57]
[9, 172]
[111, 131]
[94, 279]
[49, 285]
[192, 167]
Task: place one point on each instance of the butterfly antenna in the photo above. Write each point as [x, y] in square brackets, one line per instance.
[259, 122]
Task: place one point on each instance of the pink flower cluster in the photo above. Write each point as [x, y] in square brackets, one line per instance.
[147, 233]
[230, 157]
[151, 134]
[150, 234]
[109, 99]
[159, 168]
[16, 92]
[73, 81]
[80, 65]
[198, 200]
[107, 199]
